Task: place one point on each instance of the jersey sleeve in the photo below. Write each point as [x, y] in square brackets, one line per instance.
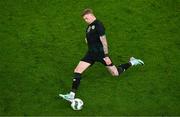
[100, 29]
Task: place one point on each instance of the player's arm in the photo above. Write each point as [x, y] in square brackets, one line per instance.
[105, 48]
[104, 43]
[101, 32]
[85, 39]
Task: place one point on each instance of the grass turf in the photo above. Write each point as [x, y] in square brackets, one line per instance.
[43, 40]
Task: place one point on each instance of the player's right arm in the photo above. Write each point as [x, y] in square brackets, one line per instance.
[85, 39]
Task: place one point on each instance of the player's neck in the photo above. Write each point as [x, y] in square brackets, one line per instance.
[93, 20]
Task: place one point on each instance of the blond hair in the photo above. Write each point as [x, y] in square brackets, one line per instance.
[87, 11]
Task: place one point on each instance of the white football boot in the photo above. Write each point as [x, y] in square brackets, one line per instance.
[135, 61]
[69, 97]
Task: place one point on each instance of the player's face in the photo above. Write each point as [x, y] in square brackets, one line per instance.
[88, 18]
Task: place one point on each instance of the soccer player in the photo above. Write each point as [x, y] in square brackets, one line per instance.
[97, 52]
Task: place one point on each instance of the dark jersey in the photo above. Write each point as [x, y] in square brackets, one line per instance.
[93, 33]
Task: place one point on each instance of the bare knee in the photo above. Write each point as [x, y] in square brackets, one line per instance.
[115, 74]
[113, 70]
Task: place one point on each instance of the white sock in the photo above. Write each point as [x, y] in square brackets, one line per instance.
[132, 63]
[72, 94]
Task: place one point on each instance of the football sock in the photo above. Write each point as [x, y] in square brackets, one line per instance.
[72, 94]
[123, 67]
[76, 81]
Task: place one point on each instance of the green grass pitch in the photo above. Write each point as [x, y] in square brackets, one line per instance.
[41, 42]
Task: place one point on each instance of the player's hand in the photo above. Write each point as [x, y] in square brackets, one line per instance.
[107, 60]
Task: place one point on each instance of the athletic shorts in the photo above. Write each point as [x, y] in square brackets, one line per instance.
[94, 57]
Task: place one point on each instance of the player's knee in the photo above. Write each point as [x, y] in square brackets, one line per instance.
[115, 74]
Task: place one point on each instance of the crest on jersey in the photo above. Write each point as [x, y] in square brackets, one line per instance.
[93, 27]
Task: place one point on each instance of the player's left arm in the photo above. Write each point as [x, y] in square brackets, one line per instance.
[105, 48]
[104, 43]
[101, 31]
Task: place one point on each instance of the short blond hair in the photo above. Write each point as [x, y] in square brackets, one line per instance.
[87, 11]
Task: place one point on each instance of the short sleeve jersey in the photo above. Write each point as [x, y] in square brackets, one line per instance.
[93, 33]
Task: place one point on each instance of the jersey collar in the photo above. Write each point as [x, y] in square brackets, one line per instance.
[93, 22]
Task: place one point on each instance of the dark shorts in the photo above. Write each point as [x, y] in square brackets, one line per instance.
[94, 57]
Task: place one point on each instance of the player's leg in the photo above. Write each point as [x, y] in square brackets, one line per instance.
[80, 68]
[113, 70]
[116, 71]
[110, 66]
[132, 62]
